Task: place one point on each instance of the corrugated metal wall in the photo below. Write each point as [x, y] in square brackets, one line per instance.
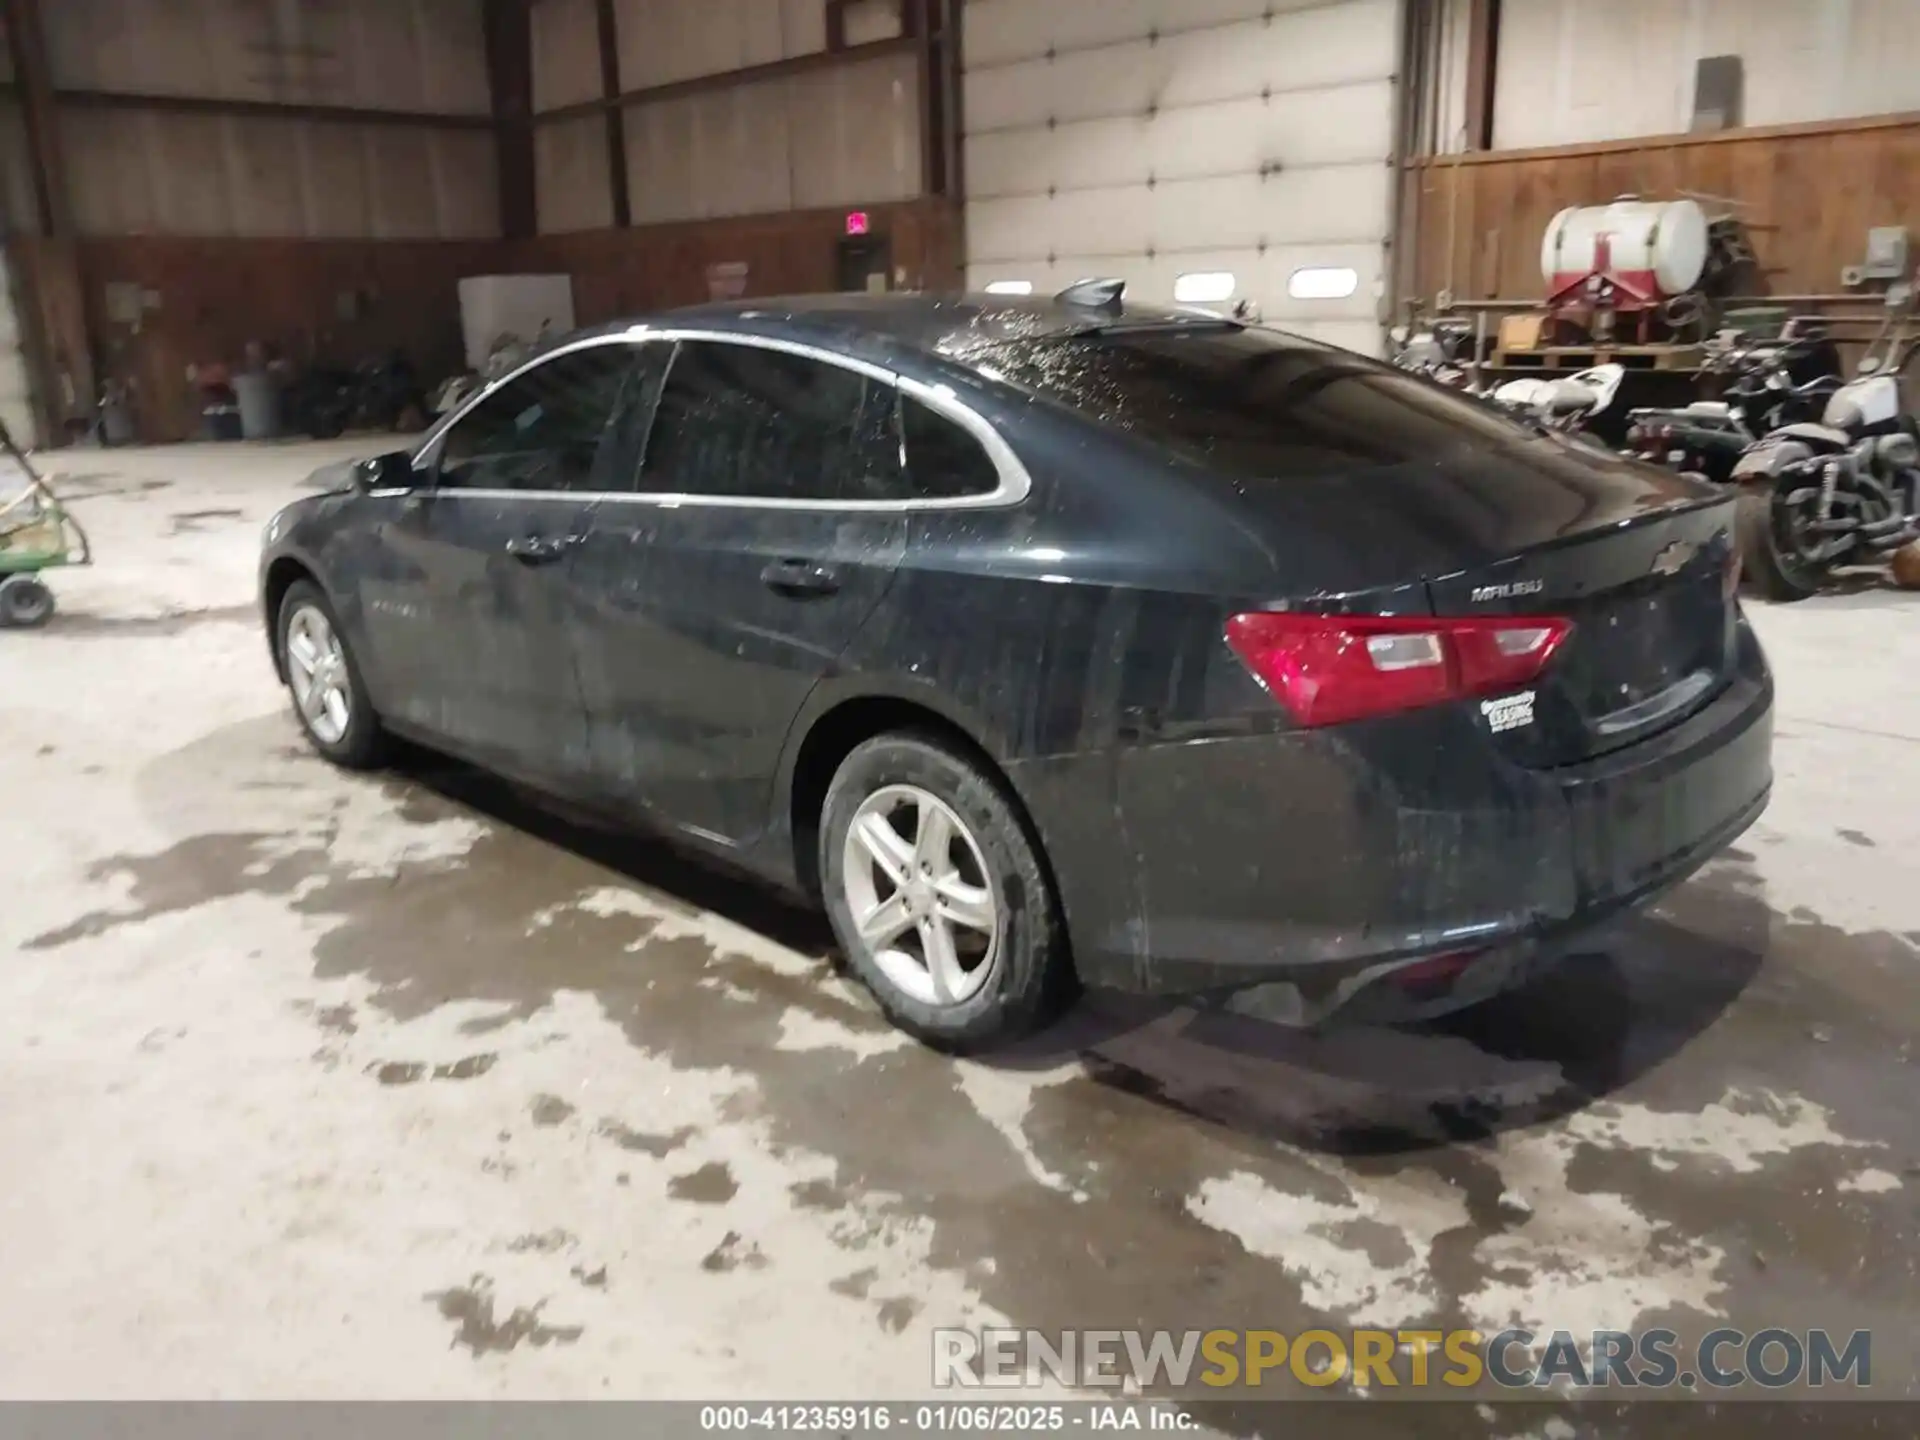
[148, 171]
[423, 55]
[135, 173]
[1571, 71]
[842, 136]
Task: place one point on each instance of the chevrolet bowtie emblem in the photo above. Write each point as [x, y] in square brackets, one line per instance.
[1673, 559]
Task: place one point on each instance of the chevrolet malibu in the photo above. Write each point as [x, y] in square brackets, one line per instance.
[1056, 642]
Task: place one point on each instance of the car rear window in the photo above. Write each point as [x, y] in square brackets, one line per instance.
[1251, 403]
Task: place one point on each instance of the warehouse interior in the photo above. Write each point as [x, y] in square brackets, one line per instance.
[185, 180]
[408, 1087]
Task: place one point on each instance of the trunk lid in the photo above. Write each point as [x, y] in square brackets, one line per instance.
[1637, 558]
[1653, 618]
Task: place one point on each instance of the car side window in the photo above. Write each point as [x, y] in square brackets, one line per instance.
[541, 431]
[944, 460]
[747, 422]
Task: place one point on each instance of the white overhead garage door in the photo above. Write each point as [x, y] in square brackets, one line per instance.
[1153, 140]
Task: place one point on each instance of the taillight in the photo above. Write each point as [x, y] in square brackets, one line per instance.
[1327, 669]
[1436, 973]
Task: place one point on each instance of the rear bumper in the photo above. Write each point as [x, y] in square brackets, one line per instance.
[1314, 864]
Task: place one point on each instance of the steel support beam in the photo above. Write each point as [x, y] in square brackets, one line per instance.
[46, 157]
[50, 288]
[1483, 66]
[933, 112]
[952, 97]
[729, 79]
[616, 118]
[266, 109]
[509, 27]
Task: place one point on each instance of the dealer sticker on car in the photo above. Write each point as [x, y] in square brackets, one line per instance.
[1509, 712]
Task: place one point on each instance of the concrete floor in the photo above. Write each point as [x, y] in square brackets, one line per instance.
[323, 1085]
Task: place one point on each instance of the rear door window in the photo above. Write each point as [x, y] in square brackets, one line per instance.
[541, 430]
[746, 422]
[1253, 404]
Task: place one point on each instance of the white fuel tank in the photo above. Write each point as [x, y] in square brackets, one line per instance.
[1666, 239]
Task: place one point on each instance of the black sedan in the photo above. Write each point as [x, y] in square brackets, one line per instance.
[1057, 642]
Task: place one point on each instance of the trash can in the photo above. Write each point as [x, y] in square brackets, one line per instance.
[116, 422]
[258, 396]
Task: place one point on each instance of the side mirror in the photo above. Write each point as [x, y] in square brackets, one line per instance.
[392, 471]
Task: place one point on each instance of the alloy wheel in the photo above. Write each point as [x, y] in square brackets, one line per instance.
[920, 896]
[317, 671]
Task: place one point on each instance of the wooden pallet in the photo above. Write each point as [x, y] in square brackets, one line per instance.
[1585, 357]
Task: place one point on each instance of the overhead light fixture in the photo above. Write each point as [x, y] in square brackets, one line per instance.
[1204, 287]
[1323, 282]
[1010, 287]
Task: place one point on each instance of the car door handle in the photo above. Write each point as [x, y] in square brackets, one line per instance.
[801, 577]
[539, 550]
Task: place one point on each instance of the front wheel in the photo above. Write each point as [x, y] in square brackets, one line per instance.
[328, 695]
[1775, 571]
[939, 897]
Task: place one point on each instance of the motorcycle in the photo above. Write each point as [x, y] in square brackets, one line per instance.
[1566, 406]
[378, 395]
[1844, 490]
[1439, 352]
[1762, 384]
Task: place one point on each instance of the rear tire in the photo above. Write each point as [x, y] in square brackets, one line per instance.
[315, 656]
[920, 842]
[1773, 576]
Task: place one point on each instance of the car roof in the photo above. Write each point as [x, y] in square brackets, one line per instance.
[902, 325]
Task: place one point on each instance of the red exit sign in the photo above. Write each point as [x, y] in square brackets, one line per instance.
[857, 223]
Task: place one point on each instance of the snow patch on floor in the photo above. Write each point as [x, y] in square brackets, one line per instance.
[802, 1029]
[1583, 1261]
[1741, 1131]
[1870, 1182]
[1003, 1102]
[1327, 1247]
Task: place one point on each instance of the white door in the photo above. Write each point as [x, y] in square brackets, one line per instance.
[1241, 144]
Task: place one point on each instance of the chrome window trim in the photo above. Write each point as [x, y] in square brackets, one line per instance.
[1016, 484]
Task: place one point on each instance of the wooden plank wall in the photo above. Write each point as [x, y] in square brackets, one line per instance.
[1809, 194]
[654, 267]
[211, 296]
